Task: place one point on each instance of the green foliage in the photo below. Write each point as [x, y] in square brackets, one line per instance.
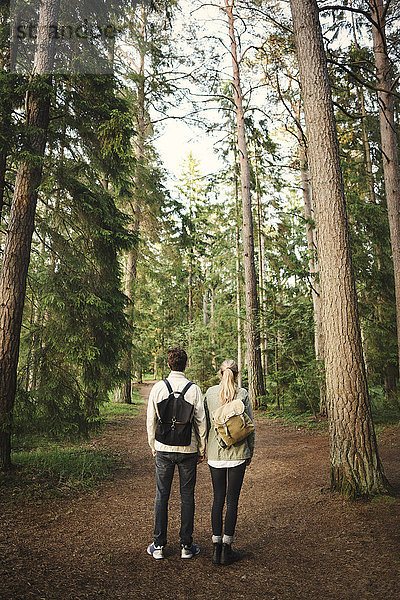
[103, 195]
[74, 323]
[385, 410]
[299, 419]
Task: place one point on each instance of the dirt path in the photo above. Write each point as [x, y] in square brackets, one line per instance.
[297, 541]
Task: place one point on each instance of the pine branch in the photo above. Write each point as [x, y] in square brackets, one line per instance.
[362, 81]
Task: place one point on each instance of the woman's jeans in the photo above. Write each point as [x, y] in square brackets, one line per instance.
[165, 467]
[227, 483]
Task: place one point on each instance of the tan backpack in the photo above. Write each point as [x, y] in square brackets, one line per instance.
[232, 423]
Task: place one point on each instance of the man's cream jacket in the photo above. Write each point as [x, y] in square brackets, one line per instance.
[194, 396]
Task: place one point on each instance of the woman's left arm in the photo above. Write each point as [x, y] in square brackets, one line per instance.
[208, 419]
[248, 410]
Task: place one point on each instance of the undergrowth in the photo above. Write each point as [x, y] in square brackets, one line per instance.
[291, 418]
[384, 414]
[54, 472]
[45, 465]
[112, 409]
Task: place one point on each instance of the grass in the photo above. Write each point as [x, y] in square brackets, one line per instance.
[112, 409]
[53, 472]
[45, 467]
[386, 413]
[116, 409]
[384, 499]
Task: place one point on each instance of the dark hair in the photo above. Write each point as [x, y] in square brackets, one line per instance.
[177, 358]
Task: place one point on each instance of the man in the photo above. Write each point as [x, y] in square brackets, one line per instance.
[186, 457]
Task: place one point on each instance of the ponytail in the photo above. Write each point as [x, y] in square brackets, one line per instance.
[228, 372]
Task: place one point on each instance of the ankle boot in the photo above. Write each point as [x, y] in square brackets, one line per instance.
[228, 555]
[217, 553]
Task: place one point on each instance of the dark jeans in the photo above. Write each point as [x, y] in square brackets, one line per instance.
[227, 483]
[165, 467]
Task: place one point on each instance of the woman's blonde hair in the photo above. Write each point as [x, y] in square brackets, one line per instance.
[228, 372]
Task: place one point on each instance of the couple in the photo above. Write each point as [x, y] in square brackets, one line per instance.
[227, 464]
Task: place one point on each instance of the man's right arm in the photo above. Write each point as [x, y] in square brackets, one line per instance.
[200, 422]
[151, 422]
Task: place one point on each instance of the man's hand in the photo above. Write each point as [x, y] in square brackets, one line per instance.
[248, 462]
[200, 459]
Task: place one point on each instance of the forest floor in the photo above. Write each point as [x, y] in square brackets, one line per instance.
[297, 540]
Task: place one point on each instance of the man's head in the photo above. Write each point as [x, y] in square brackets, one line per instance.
[177, 359]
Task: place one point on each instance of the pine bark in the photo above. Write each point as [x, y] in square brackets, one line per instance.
[356, 469]
[261, 262]
[3, 169]
[391, 169]
[256, 381]
[276, 355]
[17, 249]
[238, 270]
[212, 319]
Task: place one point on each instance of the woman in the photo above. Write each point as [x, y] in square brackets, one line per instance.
[227, 464]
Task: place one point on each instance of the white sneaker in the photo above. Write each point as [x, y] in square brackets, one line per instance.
[190, 551]
[156, 552]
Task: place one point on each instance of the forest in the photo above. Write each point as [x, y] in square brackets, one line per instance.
[221, 176]
[283, 252]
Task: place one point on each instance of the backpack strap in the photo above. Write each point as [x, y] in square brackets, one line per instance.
[170, 391]
[167, 383]
[183, 392]
[187, 386]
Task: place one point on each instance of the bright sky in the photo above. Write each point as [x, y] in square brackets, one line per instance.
[177, 140]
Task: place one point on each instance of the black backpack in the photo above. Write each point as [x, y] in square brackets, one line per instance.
[174, 418]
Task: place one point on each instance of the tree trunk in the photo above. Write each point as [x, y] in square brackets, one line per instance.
[389, 376]
[238, 303]
[205, 307]
[261, 258]
[133, 255]
[367, 150]
[3, 168]
[276, 356]
[391, 169]
[130, 276]
[155, 368]
[256, 381]
[313, 269]
[21, 225]
[264, 332]
[212, 319]
[355, 465]
[190, 303]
